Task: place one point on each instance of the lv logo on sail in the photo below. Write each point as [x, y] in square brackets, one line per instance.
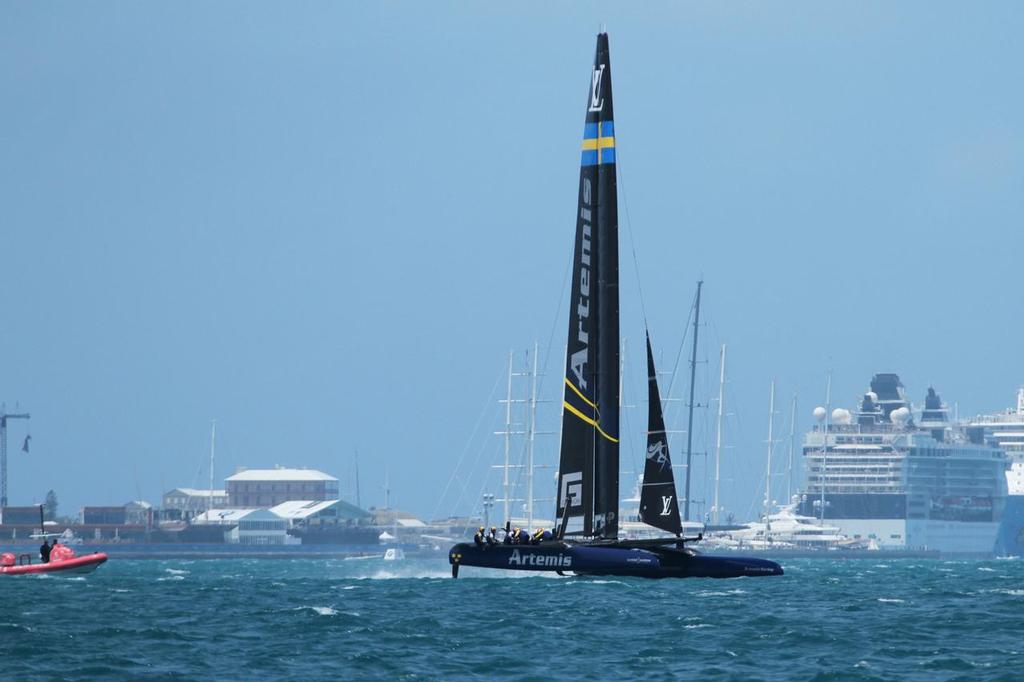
[666, 505]
[596, 101]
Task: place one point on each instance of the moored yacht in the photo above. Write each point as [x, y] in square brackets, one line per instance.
[783, 529]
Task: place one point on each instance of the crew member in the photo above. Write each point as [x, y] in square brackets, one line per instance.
[478, 538]
[492, 537]
[44, 552]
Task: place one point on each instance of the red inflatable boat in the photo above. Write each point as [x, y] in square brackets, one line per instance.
[62, 560]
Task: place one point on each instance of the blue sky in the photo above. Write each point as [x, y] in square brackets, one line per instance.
[326, 224]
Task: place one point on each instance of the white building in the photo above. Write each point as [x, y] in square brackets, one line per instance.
[312, 513]
[138, 513]
[265, 488]
[249, 526]
[187, 502]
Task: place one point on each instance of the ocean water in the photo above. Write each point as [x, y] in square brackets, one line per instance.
[317, 619]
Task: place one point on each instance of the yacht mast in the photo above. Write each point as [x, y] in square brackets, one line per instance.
[508, 437]
[824, 446]
[768, 472]
[213, 448]
[792, 434]
[718, 437]
[533, 432]
[689, 421]
[358, 501]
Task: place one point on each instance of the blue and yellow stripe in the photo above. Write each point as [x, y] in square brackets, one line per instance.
[598, 143]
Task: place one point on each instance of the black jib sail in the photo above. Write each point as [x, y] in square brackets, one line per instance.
[659, 505]
[588, 480]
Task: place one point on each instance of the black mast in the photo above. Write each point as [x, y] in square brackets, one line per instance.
[659, 505]
[689, 425]
[588, 473]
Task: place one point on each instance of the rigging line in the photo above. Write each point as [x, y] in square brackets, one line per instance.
[637, 466]
[682, 347]
[490, 449]
[483, 486]
[487, 405]
[629, 228]
[554, 325]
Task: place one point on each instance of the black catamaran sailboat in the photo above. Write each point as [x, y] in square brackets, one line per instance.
[586, 541]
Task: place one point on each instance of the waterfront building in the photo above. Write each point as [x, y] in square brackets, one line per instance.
[329, 522]
[19, 516]
[139, 513]
[265, 488]
[310, 513]
[104, 516]
[184, 503]
[248, 526]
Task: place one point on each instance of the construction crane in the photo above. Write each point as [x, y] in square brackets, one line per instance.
[4, 416]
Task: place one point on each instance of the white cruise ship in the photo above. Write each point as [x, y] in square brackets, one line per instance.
[1006, 431]
[904, 485]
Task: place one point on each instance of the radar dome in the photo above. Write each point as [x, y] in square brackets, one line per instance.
[900, 415]
[873, 396]
[819, 413]
[841, 416]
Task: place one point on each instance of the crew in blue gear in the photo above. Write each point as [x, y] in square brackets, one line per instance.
[541, 535]
[478, 538]
[44, 552]
[492, 536]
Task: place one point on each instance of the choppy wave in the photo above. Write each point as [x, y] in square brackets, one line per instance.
[240, 619]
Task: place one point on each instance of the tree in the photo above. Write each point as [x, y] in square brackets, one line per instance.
[50, 506]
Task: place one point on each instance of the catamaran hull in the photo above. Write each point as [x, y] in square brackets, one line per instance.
[660, 562]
